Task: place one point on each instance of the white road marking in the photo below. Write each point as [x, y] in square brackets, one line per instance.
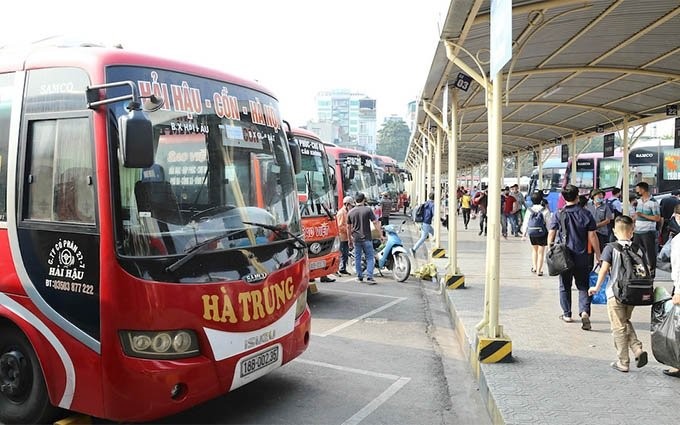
[359, 293]
[376, 402]
[355, 320]
[362, 414]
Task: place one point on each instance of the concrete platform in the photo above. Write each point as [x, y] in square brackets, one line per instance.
[560, 374]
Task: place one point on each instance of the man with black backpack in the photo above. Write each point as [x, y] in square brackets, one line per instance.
[535, 226]
[576, 228]
[426, 225]
[627, 265]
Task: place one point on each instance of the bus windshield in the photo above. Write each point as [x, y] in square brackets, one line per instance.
[215, 168]
[313, 183]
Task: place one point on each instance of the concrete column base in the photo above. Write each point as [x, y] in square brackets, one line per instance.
[494, 350]
[454, 281]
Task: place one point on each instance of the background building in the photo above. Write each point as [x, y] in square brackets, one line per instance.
[354, 115]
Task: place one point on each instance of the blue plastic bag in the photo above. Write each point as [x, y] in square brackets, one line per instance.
[600, 297]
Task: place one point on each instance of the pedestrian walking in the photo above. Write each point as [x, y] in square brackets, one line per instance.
[510, 207]
[482, 202]
[520, 207]
[647, 215]
[344, 232]
[535, 227]
[602, 214]
[579, 235]
[616, 208]
[386, 207]
[426, 226]
[623, 332]
[359, 220]
[466, 207]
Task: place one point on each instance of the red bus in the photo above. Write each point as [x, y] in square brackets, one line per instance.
[391, 180]
[148, 266]
[355, 173]
[315, 183]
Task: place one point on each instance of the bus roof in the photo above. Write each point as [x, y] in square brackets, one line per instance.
[95, 58]
[306, 133]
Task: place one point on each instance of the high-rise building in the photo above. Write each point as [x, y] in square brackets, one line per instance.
[353, 113]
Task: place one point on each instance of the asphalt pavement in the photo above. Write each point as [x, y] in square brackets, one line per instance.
[560, 374]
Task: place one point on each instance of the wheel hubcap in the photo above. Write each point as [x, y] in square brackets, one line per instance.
[14, 374]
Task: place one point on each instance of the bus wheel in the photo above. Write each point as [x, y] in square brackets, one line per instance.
[23, 395]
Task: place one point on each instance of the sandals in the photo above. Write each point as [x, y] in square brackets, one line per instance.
[539, 274]
[616, 366]
[675, 374]
[533, 270]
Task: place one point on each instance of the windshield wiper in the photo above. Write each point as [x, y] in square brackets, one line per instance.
[280, 232]
[198, 248]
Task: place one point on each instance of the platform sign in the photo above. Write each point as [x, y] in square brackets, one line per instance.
[599, 129]
[608, 145]
[565, 153]
[677, 133]
[500, 35]
[535, 154]
[671, 110]
[463, 81]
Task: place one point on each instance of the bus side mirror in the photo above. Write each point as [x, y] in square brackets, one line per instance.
[135, 139]
[296, 155]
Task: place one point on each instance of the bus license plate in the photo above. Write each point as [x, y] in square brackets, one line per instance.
[258, 361]
[317, 264]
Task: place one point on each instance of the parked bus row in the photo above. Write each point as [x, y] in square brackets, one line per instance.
[656, 162]
[159, 225]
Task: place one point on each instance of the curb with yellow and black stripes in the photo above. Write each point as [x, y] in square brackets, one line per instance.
[494, 350]
[438, 253]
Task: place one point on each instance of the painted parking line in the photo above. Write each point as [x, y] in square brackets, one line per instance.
[399, 382]
[357, 319]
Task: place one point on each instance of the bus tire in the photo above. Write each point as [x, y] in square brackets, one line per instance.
[23, 394]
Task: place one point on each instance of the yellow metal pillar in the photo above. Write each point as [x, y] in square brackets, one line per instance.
[453, 278]
[492, 344]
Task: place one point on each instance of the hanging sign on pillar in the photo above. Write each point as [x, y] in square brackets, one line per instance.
[501, 41]
[565, 153]
[535, 158]
[608, 145]
[671, 110]
[677, 133]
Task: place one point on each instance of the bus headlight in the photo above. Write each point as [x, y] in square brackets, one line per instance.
[175, 344]
[301, 304]
[336, 244]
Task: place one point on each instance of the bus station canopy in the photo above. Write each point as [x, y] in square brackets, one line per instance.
[576, 65]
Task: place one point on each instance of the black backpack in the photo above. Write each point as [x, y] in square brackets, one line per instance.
[536, 226]
[634, 284]
[420, 213]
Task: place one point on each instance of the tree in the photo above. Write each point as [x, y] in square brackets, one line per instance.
[393, 139]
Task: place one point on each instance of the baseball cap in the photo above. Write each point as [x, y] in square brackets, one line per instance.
[348, 200]
[596, 192]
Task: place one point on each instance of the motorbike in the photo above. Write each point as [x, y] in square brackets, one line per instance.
[397, 259]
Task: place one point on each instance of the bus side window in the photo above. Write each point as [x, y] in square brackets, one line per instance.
[60, 172]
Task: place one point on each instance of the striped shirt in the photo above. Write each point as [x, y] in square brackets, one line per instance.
[649, 207]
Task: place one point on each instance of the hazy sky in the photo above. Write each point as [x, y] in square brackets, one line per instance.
[296, 48]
